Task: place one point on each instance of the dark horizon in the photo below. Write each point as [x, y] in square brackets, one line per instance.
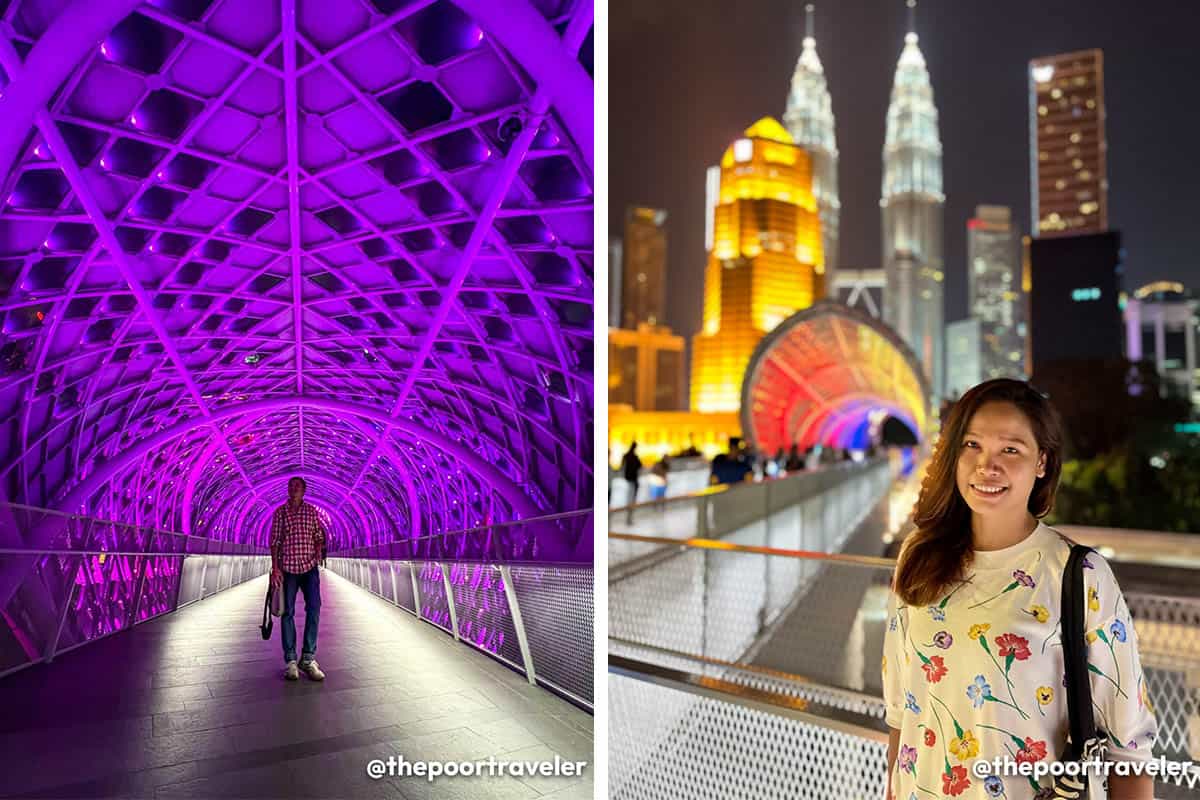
[686, 78]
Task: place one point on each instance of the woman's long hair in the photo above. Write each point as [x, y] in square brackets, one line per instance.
[935, 555]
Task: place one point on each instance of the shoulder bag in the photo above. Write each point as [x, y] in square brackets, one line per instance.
[267, 622]
[1086, 744]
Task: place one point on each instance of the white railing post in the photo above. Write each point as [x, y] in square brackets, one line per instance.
[511, 593]
[450, 599]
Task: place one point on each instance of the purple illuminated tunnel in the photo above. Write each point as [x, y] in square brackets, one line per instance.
[242, 240]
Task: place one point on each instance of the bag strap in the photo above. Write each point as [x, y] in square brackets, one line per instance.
[1079, 688]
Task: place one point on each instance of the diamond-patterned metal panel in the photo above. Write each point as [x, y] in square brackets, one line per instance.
[558, 610]
[484, 619]
[404, 592]
[665, 743]
[431, 585]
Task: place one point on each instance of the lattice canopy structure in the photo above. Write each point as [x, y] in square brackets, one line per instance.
[242, 240]
[824, 376]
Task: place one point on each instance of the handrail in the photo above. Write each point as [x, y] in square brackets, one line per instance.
[198, 537]
[53, 512]
[718, 488]
[869, 561]
[91, 551]
[714, 544]
[801, 681]
[482, 528]
[801, 709]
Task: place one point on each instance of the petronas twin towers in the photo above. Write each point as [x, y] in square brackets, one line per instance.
[911, 199]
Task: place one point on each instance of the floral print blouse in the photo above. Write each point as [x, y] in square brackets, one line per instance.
[979, 674]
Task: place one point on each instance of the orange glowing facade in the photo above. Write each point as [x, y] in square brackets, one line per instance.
[765, 261]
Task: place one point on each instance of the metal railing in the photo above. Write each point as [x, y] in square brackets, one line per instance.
[522, 592]
[795, 511]
[748, 670]
[565, 538]
[685, 476]
[67, 580]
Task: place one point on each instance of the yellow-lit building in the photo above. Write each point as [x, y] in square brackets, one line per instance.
[645, 368]
[765, 262]
[660, 433]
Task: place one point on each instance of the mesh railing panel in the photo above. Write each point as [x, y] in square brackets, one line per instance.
[557, 607]
[484, 618]
[404, 587]
[1168, 635]
[432, 587]
[666, 744]
[556, 604]
[719, 604]
[662, 605]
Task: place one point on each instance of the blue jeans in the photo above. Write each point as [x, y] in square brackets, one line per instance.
[310, 584]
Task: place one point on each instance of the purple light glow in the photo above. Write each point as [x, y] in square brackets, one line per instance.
[239, 297]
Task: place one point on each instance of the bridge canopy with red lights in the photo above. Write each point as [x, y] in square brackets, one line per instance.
[830, 375]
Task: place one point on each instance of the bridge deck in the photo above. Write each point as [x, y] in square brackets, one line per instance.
[194, 704]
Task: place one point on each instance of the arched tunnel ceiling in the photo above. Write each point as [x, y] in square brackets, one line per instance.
[247, 239]
[819, 375]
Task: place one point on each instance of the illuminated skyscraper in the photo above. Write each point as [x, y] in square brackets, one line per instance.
[645, 368]
[809, 119]
[1068, 151]
[912, 204]
[765, 262]
[643, 267]
[994, 292]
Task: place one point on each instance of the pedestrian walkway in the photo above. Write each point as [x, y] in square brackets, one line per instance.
[194, 705]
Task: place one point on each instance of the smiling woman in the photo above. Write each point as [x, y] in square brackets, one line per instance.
[973, 653]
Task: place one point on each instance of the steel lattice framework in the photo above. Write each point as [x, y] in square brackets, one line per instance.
[247, 239]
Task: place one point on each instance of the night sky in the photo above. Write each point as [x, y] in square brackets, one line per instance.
[688, 76]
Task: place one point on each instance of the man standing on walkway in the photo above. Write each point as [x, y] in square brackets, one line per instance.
[297, 544]
[631, 471]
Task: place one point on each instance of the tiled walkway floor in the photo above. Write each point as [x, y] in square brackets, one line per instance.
[194, 705]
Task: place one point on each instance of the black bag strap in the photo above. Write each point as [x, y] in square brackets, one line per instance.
[1079, 687]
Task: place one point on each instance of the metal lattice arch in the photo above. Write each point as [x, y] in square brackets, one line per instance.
[247, 239]
[821, 374]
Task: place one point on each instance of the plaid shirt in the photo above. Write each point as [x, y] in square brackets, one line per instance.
[296, 538]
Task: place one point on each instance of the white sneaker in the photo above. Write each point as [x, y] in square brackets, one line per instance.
[312, 670]
[292, 673]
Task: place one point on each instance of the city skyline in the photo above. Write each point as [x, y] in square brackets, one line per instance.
[745, 76]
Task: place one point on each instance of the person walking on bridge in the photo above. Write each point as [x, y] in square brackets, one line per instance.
[298, 538]
[631, 471]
